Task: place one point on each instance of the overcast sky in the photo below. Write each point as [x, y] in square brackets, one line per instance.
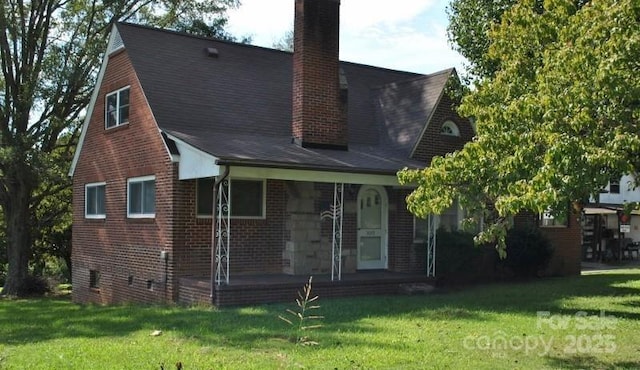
[408, 35]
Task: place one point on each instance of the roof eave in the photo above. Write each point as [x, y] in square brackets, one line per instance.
[304, 166]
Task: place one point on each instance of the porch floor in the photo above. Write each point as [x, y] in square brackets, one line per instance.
[265, 288]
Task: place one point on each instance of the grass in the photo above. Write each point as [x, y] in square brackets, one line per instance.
[590, 321]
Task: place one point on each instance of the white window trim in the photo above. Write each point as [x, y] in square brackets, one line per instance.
[617, 183]
[106, 112]
[89, 185]
[264, 201]
[455, 130]
[138, 179]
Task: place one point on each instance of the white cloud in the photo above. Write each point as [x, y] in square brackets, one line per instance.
[266, 21]
[359, 15]
[405, 35]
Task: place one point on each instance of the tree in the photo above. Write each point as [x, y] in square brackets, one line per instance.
[285, 43]
[558, 120]
[50, 51]
[470, 24]
[468, 31]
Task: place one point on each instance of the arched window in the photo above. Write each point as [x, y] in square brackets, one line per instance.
[450, 128]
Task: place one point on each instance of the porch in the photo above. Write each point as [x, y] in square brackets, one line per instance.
[607, 235]
[267, 288]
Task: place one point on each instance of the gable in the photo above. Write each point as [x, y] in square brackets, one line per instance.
[433, 142]
[115, 72]
[132, 148]
[404, 108]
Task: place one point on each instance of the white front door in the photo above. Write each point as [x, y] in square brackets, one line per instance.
[372, 227]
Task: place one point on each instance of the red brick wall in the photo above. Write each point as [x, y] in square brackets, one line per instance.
[256, 244]
[566, 243]
[404, 254]
[318, 113]
[434, 143]
[122, 250]
[567, 249]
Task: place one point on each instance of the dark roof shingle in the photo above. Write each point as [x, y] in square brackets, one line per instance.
[237, 106]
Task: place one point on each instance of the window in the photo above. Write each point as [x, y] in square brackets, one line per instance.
[449, 219]
[94, 199]
[94, 279]
[614, 186]
[420, 229]
[141, 197]
[247, 198]
[117, 108]
[449, 128]
[204, 197]
[549, 220]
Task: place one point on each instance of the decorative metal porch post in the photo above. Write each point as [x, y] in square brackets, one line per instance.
[431, 245]
[336, 250]
[223, 231]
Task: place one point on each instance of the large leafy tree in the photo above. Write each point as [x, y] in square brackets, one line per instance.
[284, 43]
[469, 24]
[557, 120]
[49, 54]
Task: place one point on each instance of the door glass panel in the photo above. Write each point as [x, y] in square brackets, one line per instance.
[370, 248]
[371, 213]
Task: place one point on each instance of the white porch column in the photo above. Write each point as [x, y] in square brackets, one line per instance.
[336, 250]
[431, 245]
[223, 232]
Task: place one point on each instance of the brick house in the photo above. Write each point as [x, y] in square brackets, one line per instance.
[210, 171]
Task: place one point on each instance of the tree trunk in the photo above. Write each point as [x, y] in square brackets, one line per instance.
[18, 223]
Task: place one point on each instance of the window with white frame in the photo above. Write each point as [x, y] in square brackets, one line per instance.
[94, 200]
[614, 186]
[450, 128]
[117, 108]
[420, 229]
[247, 198]
[141, 197]
[450, 218]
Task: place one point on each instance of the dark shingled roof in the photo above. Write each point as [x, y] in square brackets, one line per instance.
[237, 105]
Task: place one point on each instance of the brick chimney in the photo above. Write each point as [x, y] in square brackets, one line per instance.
[319, 98]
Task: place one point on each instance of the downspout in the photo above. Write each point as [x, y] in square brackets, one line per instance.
[214, 222]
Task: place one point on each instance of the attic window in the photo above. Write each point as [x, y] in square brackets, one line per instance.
[117, 108]
[449, 128]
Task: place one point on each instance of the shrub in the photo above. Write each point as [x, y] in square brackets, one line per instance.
[35, 286]
[459, 260]
[528, 251]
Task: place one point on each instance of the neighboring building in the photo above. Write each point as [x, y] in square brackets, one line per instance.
[297, 154]
[602, 237]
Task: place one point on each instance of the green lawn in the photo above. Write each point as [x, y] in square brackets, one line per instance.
[592, 321]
